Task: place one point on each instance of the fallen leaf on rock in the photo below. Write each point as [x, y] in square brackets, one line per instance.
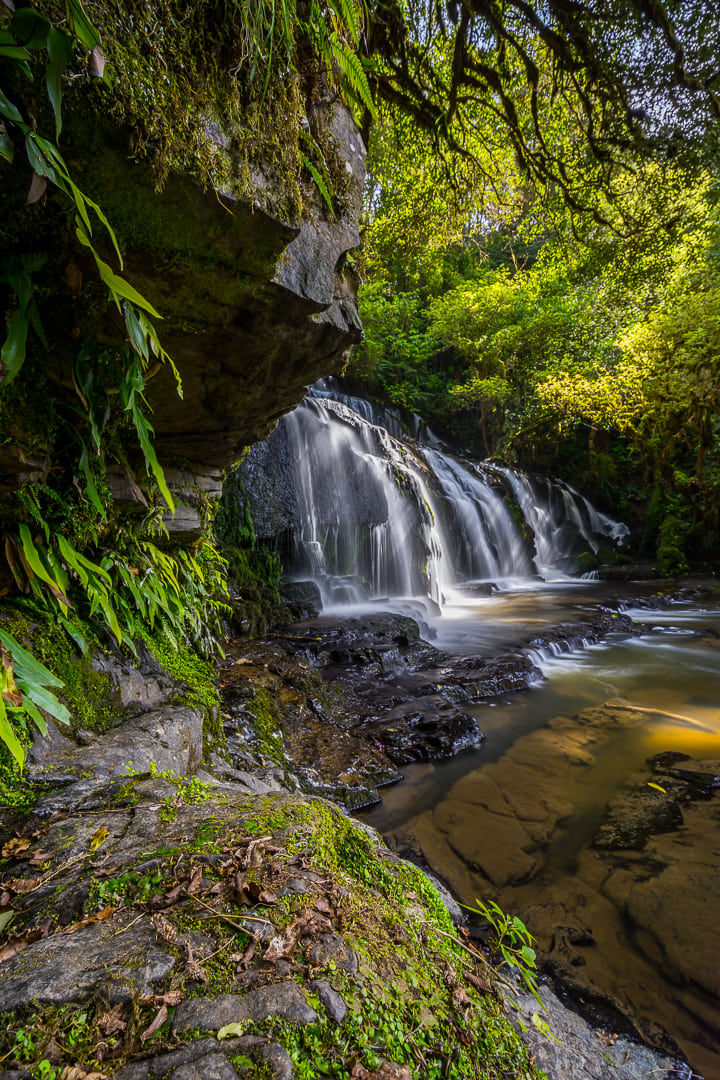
[245, 957]
[98, 837]
[231, 1030]
[18, 942]
[607, 1038]
[72, 1072]
[195, 879]
[100, 916]
[21, 885]
[387, 1071]
[14, 848]
[112, 1021]
[174, 895]
[157, 1023]
[254, 854]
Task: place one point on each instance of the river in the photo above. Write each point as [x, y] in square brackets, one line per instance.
[592, 808]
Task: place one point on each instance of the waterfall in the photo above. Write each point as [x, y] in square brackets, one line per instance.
[563, 521]
[371, 510]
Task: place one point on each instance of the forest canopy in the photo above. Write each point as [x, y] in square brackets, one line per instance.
[541, 261]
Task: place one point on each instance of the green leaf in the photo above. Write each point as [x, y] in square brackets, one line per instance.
[90, 487]
[7, 149]
[13, 52]
[30, 27]
[59, 49]
[74, 633]
[85, 568]
[25, 664]
[80, 24]
[46, 700]
[36, 564]
[8, 736]
[35, 714]
[319, 183]
[120, 287]
[10, 112]
[13, 350]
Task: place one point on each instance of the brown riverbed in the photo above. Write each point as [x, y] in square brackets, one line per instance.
[554, 817]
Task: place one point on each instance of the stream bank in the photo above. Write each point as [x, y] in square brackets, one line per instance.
[162, 890]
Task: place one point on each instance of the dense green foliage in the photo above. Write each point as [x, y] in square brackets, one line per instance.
[592, 356]
[485, 309]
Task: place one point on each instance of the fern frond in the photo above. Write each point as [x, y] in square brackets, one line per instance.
[319, 183]
[352, 78]
[346, 16]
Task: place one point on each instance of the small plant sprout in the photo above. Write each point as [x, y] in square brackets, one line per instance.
[511, 945]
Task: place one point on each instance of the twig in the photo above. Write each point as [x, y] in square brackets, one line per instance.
[226, 918]
[475, 955]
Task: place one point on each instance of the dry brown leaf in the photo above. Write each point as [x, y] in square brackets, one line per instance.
[14, 848]
[112, 1021]
[96, 63]
[174, 895]
[195, 879]
[18, 942]
[164, 929]
[100, 916]
[479, 983]
[387, 1071]
[254, 854]
[21, 885]
[158, 1022]
[38, 187]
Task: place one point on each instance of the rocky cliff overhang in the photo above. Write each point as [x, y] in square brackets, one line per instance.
[255, 308]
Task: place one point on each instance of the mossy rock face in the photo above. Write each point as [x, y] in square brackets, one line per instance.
[277, 922]
[199, 169]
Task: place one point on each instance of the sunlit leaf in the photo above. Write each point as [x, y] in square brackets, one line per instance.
[8, 736]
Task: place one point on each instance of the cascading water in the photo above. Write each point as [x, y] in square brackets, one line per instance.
[371, 513]
[564, 523]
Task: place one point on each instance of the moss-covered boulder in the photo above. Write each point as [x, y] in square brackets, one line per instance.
[165, 927]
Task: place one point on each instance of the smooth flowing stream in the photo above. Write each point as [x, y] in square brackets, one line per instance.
[565, 814]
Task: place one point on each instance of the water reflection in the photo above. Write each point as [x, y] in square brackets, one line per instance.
[517, 818]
